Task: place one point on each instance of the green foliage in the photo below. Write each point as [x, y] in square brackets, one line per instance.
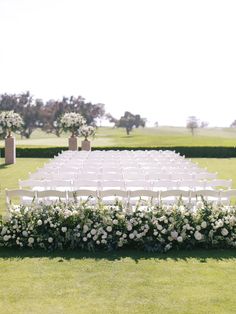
[190, 152]
[156, 228]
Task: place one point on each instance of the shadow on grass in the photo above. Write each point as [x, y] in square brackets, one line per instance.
[3, 166]
[200, 255]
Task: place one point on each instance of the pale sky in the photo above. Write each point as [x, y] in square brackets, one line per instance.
[165, 59]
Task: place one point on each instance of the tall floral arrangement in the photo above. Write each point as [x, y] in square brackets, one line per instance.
[87, 131]
[72, 122]
[10, 122]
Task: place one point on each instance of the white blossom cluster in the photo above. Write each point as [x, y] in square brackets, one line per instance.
[10, 121]
[82, 226]
[72, 122]
[87, 130]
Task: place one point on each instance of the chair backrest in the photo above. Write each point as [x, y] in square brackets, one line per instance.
[208, 195]
[111, 184]
[219, 183]
[51, 194]
[10, 194]
[84, 184]
[82, 194]
[226, 195]
[173, 196]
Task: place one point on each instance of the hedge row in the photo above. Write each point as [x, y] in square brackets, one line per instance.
[82, 226]
[187, 151]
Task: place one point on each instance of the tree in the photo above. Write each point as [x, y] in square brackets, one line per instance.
[54, 109]
[26, 106]
[204, 124]
[129, 121]
[156, 124]
[233, 124]
[192, 124]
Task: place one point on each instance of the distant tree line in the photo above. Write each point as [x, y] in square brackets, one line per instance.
[38, 114]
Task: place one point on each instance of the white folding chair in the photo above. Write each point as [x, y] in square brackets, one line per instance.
[33, 184]
[83, 195]
[218, 183]
[208, 195]
[51, 196]
[174, 196]
[138, 185]
[111, 196]
[26, 197]
[143, 197]
[85, 184]
[226, 196]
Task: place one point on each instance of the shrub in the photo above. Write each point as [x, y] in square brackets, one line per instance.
[82, 226]
[187, 151]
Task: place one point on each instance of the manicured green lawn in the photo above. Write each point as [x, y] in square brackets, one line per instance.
[162, 136]
[117, 282]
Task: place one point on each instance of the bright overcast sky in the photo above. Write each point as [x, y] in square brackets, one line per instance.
[163, 59]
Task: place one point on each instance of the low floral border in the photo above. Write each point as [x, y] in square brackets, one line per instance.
[82, 226]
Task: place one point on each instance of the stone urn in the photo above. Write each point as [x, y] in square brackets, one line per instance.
[86, 144]
[73, 142]
[10, 149]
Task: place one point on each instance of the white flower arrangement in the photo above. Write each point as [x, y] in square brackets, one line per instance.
[10, 122]
[72, 122]
[87, 131]
[83, 226]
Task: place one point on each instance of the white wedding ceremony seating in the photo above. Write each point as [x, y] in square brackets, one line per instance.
[127, 176]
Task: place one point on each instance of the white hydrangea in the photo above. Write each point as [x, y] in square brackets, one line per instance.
[198, 236]
[31, 240]
[25, 233]
[224, 232]
[64, 229]
[72, 122]
[10, 122]
[50, 240]
[86, 131]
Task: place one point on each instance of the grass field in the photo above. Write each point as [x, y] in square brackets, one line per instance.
[115, 282]
[162, 136]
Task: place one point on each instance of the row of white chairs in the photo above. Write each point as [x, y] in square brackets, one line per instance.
[128, 197]
[125, 184]
[63, 174]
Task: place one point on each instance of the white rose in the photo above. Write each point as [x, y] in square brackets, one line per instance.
[204, 224]
[6, 237]
[115, 222]
[39, 222]
[159, 227]
[4, 230]
[93, 231]
[131, 236]
[85, 228]
[31, 240]
[64, 229]
[25, 233]
[174, 234]
[224, 232]
[180, 239]
[50, 239]
[197, 235]
[129, 227]
[109, 229]
[84, 239]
